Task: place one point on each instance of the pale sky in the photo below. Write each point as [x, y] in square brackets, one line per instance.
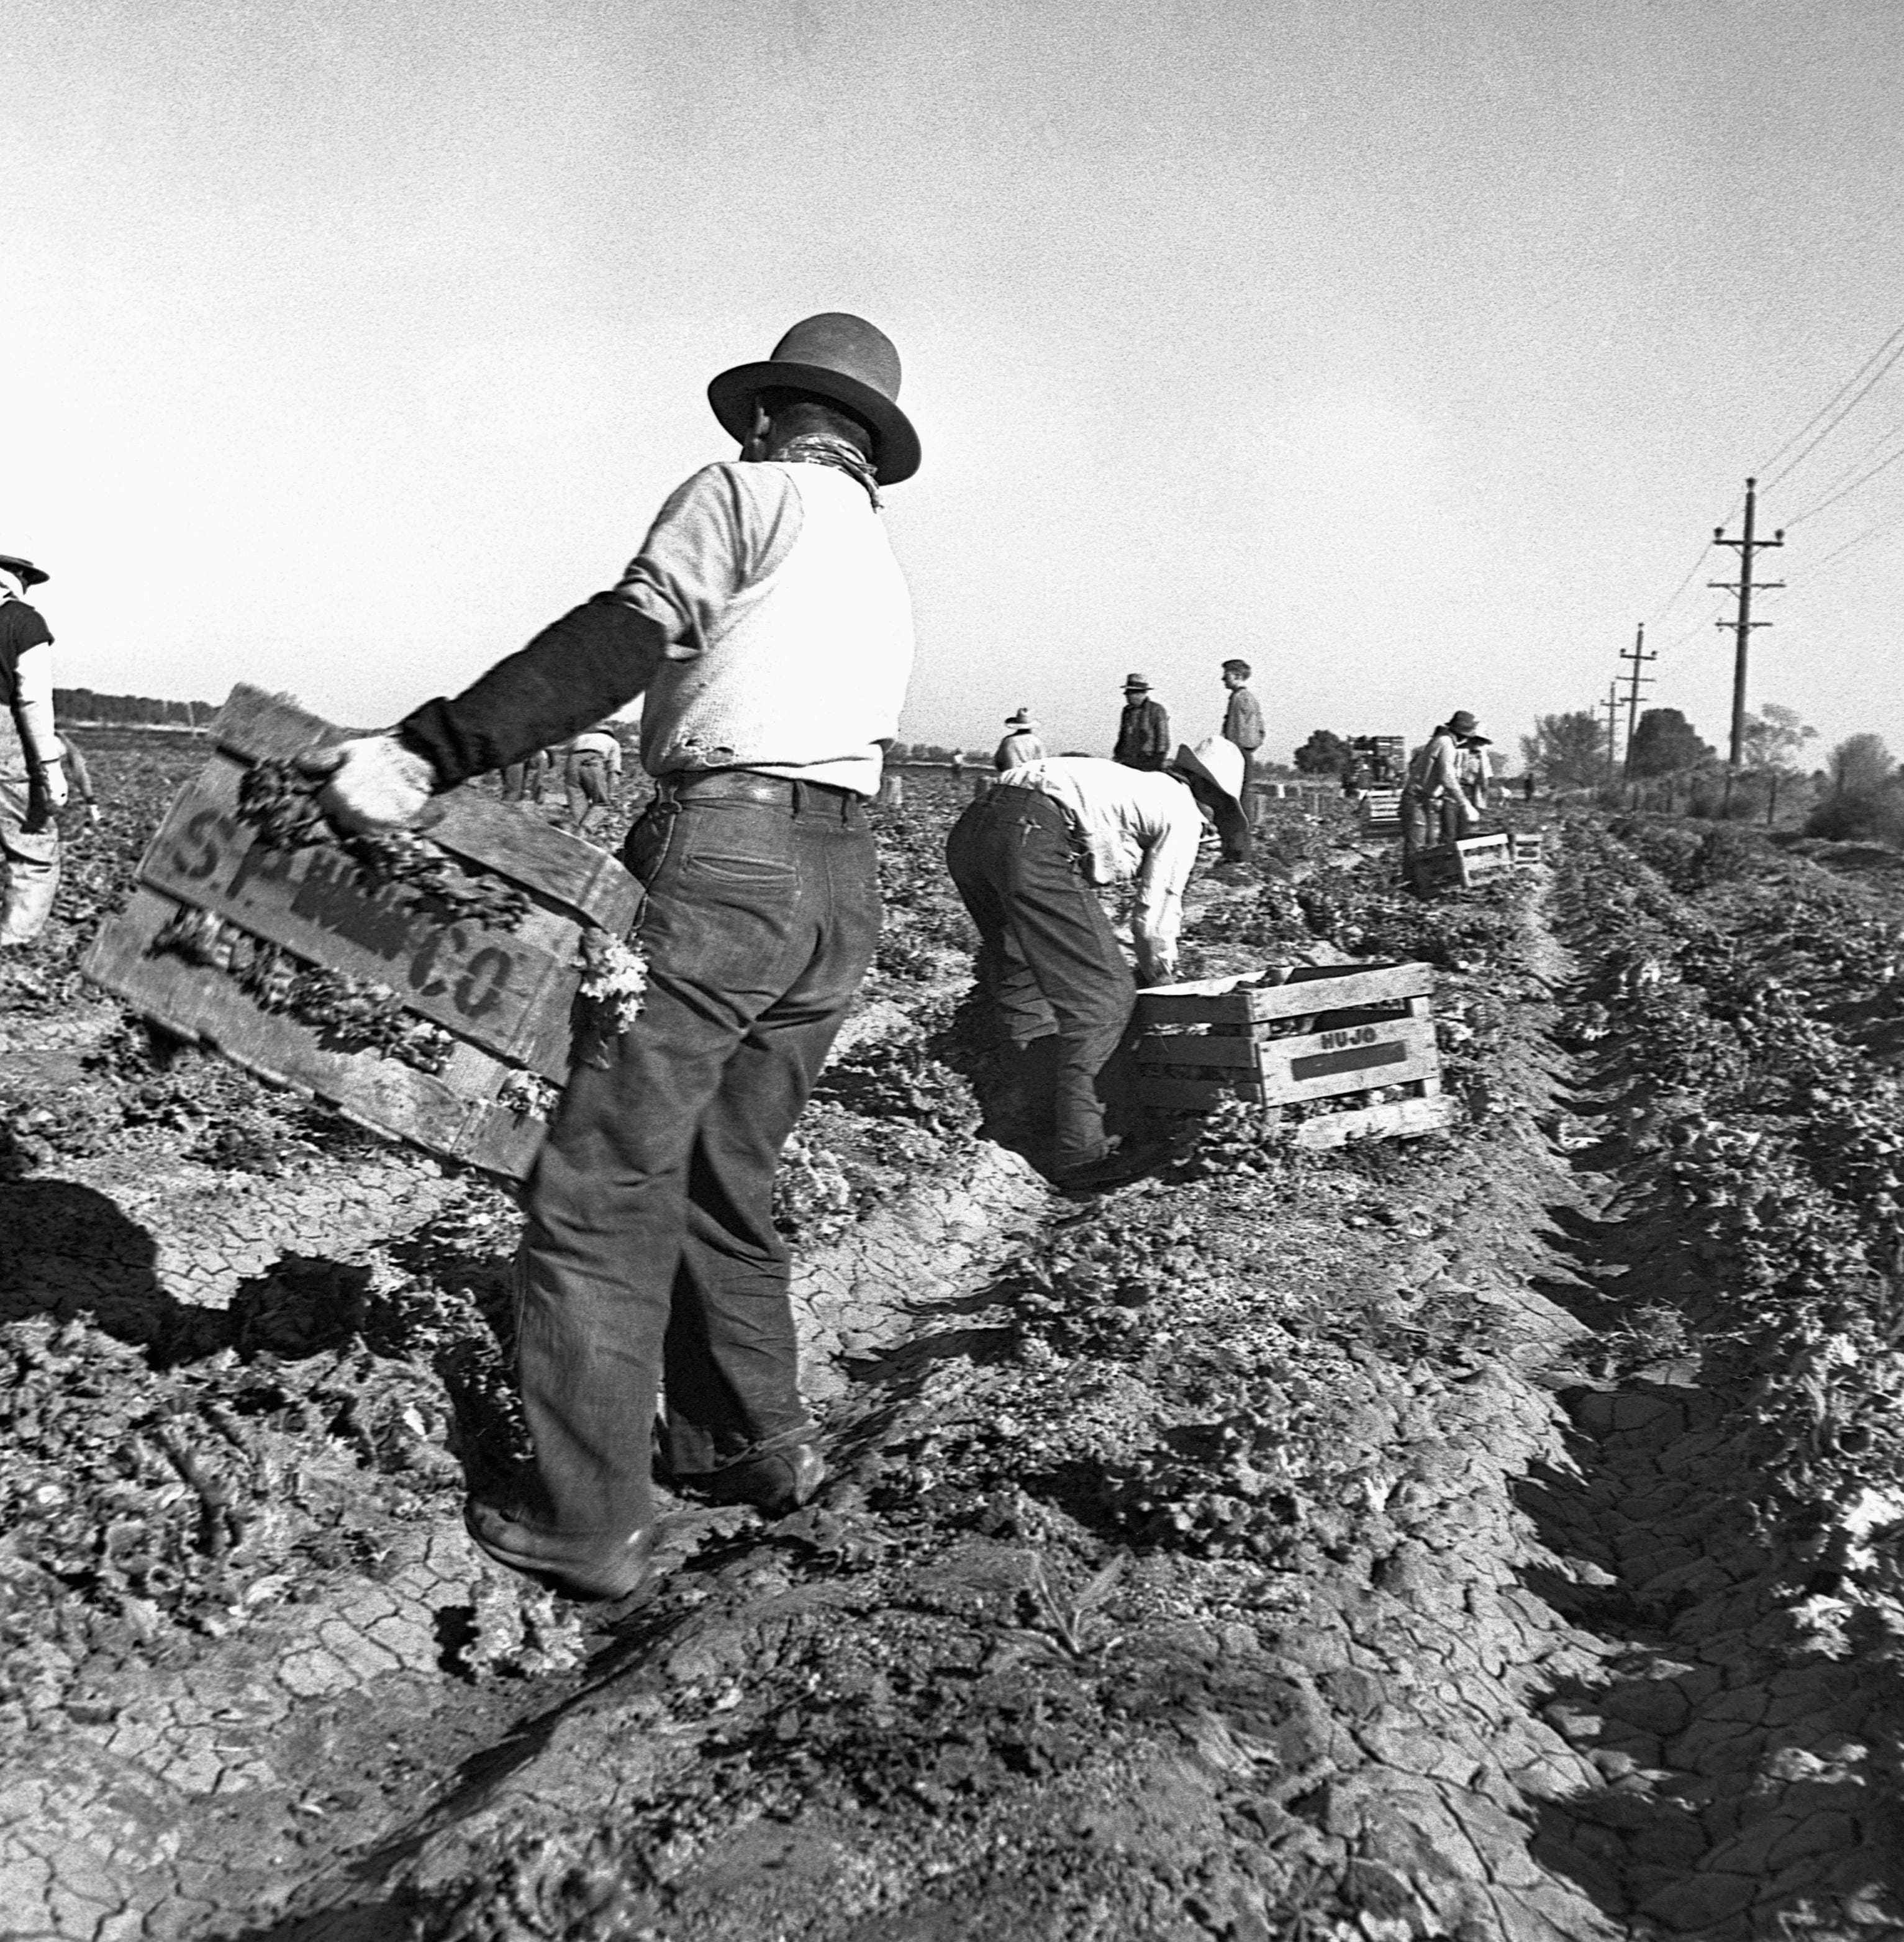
[1409, 351]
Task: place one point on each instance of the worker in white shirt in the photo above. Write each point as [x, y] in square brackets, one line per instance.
[589, 774]
[1026, 856]
[1021, 743]
[1434, 796]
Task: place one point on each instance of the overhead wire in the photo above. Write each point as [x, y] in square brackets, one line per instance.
[1844, 492]
[1832, 412]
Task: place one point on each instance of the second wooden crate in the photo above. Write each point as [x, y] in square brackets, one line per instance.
[1463, 865]
[1319, 1031]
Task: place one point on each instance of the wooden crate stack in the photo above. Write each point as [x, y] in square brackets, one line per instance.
[1308, 1032]
[1382, 812]
[506, 996]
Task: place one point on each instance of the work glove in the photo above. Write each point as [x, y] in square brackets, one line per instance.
[53, 784]
[374, 783]
[93, 814]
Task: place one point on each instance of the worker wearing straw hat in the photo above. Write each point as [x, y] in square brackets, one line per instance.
[768, 622]
[1022, 742]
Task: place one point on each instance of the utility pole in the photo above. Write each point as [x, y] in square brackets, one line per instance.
[1742, 623]
[1633, 680]
[1611, 704]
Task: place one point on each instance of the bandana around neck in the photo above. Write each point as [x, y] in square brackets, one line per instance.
[819, 448]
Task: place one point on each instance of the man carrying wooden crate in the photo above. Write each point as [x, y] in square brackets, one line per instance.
[1026, 857]
[769, 625]
[1434, 788]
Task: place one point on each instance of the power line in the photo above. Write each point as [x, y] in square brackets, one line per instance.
[1832, 498]
[1889, 351]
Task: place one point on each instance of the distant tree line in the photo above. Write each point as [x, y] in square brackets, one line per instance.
[129, 711]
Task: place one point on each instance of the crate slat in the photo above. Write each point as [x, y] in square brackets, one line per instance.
[1310, 987]
[1315, 1065]
[488, 984]
[1394, 1119]
[453, 1114]
[501, 836]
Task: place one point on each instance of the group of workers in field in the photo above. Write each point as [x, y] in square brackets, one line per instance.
[766, 625]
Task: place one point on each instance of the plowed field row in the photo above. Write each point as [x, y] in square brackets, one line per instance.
[1493, 1535]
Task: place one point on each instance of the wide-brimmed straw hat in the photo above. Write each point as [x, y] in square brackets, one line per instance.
[833, 356]
[24, 570]
[1462, 723]
[1020, 720]
[1220, 762]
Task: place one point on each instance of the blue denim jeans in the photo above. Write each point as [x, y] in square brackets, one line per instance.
[650, 1254]
[1047, 958]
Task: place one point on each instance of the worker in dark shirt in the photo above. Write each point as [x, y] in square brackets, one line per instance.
[32, 784]
[1142, 729]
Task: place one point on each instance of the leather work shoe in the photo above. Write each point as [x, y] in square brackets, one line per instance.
[1122, 1164]
[590, 1568]
[773, 1481]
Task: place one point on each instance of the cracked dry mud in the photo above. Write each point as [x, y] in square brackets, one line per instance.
[1374, 1545]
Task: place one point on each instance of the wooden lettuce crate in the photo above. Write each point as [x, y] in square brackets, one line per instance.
[502, 995]
[1528, 846]
[1319, 1031]
[1463, 865]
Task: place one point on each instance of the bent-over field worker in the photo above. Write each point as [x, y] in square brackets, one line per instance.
[769, 625]
[1026, 857]
[590, 771]
[32, 784]
[1435, 804]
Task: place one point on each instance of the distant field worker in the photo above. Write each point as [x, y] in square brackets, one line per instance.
[1475, 778]
[1021, 745]
[524, 781]
[79, 777]
[32, 784]
[590, 771]
[1242, 715]
[1243, 725]
[1435, 786]
[1026, 857]
[1142, 729]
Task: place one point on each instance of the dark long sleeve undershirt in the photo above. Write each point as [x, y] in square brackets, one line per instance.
[596, 658]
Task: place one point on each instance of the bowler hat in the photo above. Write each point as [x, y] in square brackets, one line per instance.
[833, 356]
[1132, 681]
[1220, 762]
[30, 574]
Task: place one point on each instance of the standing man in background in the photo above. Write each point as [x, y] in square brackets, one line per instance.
[32, 783]
[1021, 743]
[769, 625]
[1142, 729]
[1243, 725]
[590, 772]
